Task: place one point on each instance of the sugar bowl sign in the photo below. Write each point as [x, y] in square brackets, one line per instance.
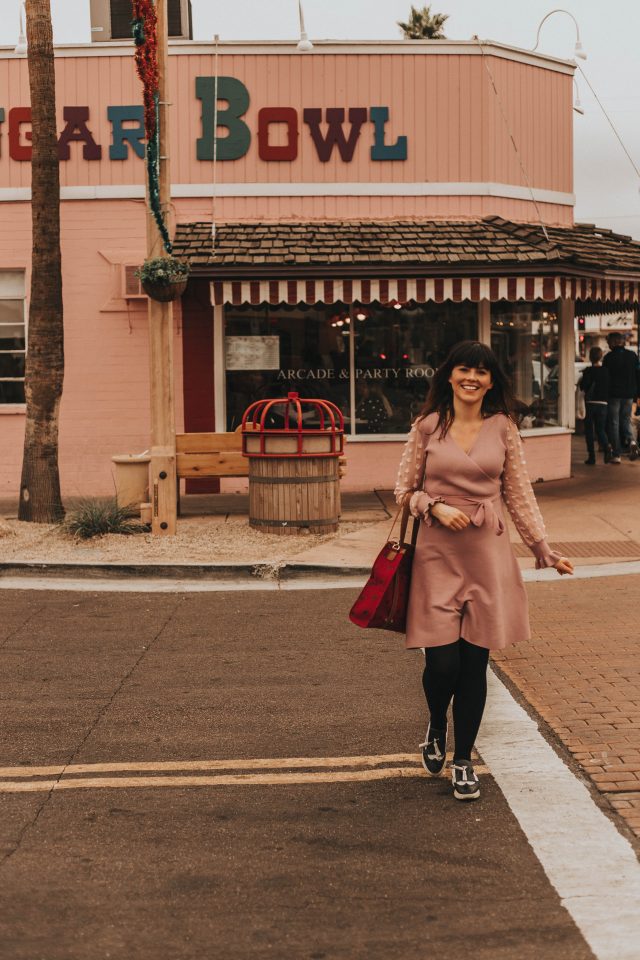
[332, 131]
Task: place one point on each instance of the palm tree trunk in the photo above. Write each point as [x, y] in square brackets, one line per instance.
[40, 498]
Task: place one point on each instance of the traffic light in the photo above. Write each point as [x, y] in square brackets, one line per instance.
[581, 324]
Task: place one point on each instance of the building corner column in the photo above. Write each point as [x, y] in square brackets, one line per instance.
[566, 360]
[484, 322]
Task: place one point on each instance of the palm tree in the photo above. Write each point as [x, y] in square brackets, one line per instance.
[424, 25]
[40, 498]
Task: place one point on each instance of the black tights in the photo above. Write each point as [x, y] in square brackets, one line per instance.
[457, 670]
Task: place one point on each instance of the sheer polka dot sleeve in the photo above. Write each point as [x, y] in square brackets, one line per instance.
[521, 503]
[411, 464]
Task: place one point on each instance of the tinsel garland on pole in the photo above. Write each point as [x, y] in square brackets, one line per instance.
[145, 35]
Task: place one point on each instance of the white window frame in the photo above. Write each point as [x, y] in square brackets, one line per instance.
[18, 294]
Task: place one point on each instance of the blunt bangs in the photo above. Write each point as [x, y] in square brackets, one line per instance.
[472, 353]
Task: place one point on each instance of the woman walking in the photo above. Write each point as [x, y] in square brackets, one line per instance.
[463, 460]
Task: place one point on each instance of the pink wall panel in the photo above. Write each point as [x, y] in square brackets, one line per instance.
[548, 458]
[11, 442]
[373, 466]
[538, 109]
[376, 208]
[106, 390]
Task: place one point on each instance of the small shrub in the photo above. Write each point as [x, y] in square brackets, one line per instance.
[94, 518]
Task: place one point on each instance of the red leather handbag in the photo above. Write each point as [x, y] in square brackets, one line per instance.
[385, 596]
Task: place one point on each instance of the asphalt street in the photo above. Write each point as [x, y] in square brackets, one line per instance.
[323, 858]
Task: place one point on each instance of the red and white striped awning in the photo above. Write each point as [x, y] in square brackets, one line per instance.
[422, 290]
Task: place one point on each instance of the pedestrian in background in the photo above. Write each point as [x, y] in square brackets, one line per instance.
[594, 383]
[624, 388]
[462, 462]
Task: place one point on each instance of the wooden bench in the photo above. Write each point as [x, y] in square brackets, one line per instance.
[209, 455]
[214, 455]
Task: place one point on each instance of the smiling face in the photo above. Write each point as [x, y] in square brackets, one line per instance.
[470, 384]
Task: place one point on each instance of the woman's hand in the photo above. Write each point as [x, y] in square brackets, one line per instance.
[564, 566]
[449, 517]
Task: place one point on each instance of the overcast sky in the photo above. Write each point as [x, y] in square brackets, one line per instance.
[607, 188]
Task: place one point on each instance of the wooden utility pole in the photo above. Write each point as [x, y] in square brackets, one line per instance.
[162, 480]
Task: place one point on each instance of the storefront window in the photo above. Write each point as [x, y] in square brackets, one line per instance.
[525, 338]
[396, 349]
[12, 337]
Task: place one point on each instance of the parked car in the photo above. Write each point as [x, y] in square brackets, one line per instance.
[551, 380]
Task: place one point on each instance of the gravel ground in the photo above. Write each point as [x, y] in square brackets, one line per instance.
[199, 540]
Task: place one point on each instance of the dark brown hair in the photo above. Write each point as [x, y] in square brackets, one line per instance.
[595, 354]
[499, 399]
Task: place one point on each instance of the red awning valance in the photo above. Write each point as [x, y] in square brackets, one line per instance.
[422, 290]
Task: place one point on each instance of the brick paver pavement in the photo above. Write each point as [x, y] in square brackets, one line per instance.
[581, 673]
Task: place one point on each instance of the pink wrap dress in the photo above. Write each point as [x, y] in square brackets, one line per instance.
[467, 583]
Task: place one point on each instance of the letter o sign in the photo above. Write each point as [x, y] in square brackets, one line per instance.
[269, 115]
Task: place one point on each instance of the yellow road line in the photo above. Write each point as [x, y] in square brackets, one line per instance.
[224, 780]
[236, 764]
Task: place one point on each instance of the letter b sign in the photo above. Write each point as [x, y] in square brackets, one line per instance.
[238, 140]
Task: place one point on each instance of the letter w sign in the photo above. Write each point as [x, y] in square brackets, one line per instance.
[335, 133]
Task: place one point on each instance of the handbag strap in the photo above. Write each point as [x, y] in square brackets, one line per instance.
[406, 513]
[395, 520]
[404, 523]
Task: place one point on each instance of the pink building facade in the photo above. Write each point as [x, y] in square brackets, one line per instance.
[363, 209]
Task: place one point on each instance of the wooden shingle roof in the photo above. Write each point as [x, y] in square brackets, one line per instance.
[425, 247]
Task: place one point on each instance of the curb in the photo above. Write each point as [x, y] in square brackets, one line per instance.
[248, 572]
[253, 573]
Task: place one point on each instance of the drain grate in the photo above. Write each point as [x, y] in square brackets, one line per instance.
[588, 548]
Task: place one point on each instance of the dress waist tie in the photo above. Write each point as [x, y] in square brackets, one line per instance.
[480, 511]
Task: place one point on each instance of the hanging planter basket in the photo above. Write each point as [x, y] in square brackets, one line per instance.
[164, 278]
[165, 292]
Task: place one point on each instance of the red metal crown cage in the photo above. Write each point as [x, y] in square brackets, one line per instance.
[310, 428]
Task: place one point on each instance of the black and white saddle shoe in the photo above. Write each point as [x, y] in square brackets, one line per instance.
[434, 751]
[466, 785]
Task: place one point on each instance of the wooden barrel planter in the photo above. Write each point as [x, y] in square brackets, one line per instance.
[294, 469]
[293, 496]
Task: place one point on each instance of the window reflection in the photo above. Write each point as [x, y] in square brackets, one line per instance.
[12, 340]
[397, 350]
[525, 339]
